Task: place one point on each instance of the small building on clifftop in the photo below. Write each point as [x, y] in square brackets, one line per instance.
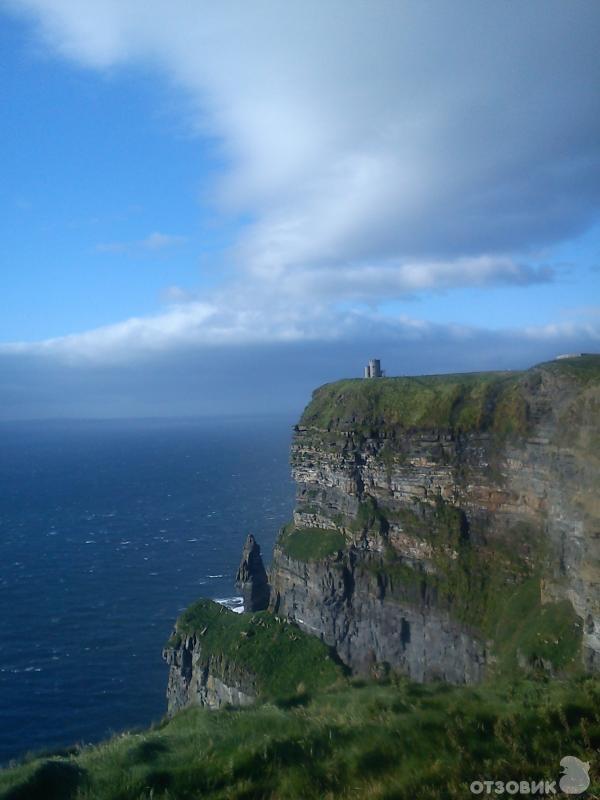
[373, 369]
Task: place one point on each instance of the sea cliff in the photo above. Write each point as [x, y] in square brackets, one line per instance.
[449, 525]
[446, 527]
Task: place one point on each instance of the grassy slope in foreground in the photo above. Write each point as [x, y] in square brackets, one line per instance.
[277, 652]
[377, 741]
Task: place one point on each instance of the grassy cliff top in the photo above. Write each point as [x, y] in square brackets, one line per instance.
[476, 401]
[584, 369]
[392, 740]
[277, 652]
[464, 401]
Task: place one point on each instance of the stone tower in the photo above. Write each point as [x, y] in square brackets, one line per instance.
[373, 369]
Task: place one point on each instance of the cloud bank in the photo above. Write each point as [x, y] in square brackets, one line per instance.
[186, 375]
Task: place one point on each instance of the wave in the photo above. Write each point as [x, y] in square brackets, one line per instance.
[233, 603]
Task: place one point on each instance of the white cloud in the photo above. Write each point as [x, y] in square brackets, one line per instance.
[394, 281]
[234, 321]
[158, 241]
[564, 331]
[174, 295]
[359, 134]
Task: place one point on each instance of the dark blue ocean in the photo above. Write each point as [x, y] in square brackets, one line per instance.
[108, 529]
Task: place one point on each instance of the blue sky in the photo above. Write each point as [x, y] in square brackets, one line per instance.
[92, 159]
[209, 209]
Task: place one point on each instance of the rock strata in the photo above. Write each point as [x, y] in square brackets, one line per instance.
[196, 678]
[370, 619]
[445, 527]
[469, 508]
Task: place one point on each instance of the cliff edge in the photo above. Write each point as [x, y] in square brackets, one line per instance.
[218, 658]
[449, 526]
[446, 527]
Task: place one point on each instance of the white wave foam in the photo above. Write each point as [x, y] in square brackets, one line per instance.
[233, 603]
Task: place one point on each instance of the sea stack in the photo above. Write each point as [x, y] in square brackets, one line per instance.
[251, 578]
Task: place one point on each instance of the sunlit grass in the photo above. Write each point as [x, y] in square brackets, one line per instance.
[392, 740]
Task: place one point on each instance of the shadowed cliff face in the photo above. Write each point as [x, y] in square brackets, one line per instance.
[210, 680]
[449, 525]
[251, 578]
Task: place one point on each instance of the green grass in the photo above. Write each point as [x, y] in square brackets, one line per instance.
[584, 369]
[311, 544]
[276, 652]
[467, 402]
[528, 632]
[479, 401]
[396, 740]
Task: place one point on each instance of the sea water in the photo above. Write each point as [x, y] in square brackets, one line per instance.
[108, 530]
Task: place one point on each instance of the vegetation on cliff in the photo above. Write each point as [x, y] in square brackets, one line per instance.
[392, 739]
[399, 466]
[275, 651]
[310, 544]
[531, 634]
[490, 588]
[478, 401]
[584, 369]
[465, 402]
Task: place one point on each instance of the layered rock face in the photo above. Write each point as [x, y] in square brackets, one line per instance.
[196, 678]
[463, 514]
[447, 527]
[372, 617]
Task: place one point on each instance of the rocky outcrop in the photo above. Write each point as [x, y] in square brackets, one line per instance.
[217, 657]
[374, 618]
[251, 578]
[453, 495]
[197, 678]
